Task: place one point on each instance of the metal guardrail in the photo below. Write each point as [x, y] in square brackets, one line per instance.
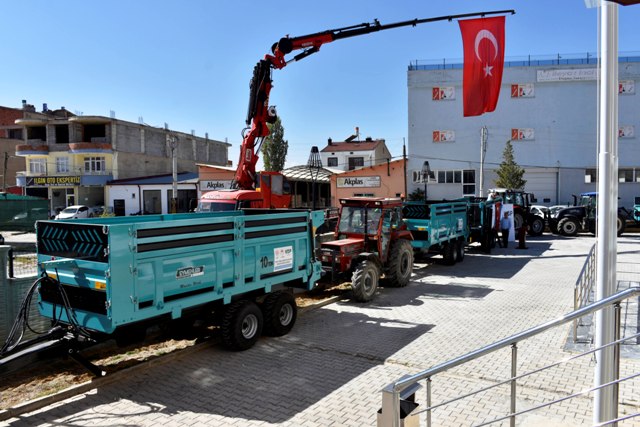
[391, 394]
[583, 289]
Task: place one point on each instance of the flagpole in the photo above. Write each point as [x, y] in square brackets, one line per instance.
[605, 399]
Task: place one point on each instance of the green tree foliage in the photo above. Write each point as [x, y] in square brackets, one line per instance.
[274, 148]
[510, 174]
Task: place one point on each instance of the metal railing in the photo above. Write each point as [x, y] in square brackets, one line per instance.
[391, 394]
[22, 263]
[583, 290]
[588, 58]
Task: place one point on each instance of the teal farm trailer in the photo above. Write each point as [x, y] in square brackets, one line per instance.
[114, 277]
[438, 227]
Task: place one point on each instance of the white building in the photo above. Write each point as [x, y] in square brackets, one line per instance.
[548, 109]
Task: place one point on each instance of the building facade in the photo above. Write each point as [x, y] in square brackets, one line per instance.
[354, 153]
[381, 180]
[548, 109]
[10, 136]
[70, 158]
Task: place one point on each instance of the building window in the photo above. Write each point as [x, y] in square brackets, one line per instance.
[94, 133]
[62, 134]
[37, 132]
[94, 164]
[38, 165]
[589, 176]
[14, 133]
[356, 162]
[469, 182]
[625, 175]
[332, 162]
[62, 164]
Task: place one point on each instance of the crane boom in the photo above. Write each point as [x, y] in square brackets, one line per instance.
[259, 113]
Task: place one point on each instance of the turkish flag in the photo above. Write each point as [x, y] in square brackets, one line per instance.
[483, 43]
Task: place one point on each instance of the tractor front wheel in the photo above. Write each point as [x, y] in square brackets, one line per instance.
[364, 281]
[568, 227]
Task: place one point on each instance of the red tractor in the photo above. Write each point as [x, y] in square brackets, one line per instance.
[370, 240]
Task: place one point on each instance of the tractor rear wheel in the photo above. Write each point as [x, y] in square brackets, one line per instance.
[364, 281]
[400, 264]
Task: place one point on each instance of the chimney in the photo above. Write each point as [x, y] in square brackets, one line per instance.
[329, 141]
[44, 107]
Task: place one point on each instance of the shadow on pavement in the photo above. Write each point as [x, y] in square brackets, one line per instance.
[272, 382]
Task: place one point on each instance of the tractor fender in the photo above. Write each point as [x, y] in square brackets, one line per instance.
[369, 256]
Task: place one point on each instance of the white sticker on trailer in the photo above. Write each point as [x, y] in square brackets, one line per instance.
[283, 258]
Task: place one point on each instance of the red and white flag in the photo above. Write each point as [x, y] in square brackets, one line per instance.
[483, 43]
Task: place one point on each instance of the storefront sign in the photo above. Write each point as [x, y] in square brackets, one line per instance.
[359, 181]
[579, 74]
[52, 181]
[215, 185]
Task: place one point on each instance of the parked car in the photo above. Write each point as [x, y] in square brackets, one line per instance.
[76, 211]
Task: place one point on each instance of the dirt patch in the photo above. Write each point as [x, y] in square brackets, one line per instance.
[44, 377]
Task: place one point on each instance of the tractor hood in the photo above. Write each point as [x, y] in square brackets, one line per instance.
[344, 245]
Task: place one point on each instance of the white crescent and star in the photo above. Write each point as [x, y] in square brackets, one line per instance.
[486, 34]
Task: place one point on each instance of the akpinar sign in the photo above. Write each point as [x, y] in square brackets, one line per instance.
[359, 182]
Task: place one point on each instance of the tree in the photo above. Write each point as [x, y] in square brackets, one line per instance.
[274, 148]
[510, 175]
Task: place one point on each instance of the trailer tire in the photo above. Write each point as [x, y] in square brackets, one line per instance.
[568, 227]
[518, 220]
[460, 250]
[449, 253]
[279, 312]
[241, 325]
[400, 264]
[364, 281]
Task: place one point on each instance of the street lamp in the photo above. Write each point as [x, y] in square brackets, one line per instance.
[426, 171]
[314, 164]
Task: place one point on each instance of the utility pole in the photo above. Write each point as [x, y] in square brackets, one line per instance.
[4, 172]
[174, 167]
[483, 152]
[404, 165]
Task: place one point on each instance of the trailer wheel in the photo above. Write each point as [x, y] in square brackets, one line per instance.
[449, 253]
[241, 325]
[364, 281]
[517, 220]
[568, 227]
[460, 250]
[536, 227]
[279, 312]
[400, 264]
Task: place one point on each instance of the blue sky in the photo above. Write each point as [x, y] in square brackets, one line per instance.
[188, 63]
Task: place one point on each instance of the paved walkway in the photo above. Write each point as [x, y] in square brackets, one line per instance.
[330, 369]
